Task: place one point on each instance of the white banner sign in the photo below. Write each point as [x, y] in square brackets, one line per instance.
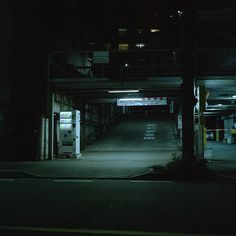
[154, 101]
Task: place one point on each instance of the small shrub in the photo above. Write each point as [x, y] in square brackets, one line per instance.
[188, 170]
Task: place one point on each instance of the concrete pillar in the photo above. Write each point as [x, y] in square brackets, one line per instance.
[51, 126]
[188, 99]
[201, 123]
[188, 125]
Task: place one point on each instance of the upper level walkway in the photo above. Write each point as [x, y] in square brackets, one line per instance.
[139, 64]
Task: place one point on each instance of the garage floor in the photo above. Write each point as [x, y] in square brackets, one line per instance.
[130, 148]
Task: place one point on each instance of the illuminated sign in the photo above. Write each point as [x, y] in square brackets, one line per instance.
[100, 57]
[66, 120]
[153, 101]
[66, 126]
[65, 114]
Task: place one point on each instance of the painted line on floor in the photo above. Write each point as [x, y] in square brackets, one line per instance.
[7, 180]
[228, 177]
[151, 181]
[73, 180]
[98, 231]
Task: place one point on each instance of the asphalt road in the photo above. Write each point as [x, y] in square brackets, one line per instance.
[207, 207]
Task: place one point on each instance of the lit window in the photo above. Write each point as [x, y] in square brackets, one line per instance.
[154, 30]
[107, 46]
[140, 31]
[140, 45]
[123, 46]
[122, 31]
[180, 13]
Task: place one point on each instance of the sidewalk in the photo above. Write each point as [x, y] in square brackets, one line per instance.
[91, 165]
[117, 165]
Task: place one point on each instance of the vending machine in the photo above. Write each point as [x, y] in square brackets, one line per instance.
[69, 145]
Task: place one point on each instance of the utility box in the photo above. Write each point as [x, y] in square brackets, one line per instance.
[69, 145]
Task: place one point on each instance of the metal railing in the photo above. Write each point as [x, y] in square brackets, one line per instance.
[139, 63]
[119, 64]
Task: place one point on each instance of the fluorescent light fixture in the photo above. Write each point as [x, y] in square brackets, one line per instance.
[124, 91]
[130, 99]
[234, 96]
[219, 105]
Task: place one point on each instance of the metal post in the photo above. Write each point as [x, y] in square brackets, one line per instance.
[50, 113]
[217, 135]
[83, 125]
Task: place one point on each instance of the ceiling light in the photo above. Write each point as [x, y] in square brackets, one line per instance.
[130, 99]
[234, 96]
[124, 91]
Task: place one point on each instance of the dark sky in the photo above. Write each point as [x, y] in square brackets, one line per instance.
[50, 23]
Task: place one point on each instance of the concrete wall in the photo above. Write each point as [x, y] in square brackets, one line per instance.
[80, 60]
[62, 102]
[98, 118]
[95, 121]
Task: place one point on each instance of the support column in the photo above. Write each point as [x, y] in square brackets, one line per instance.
[201, 122]
[188, 124]
[51, 126]
[188, 99]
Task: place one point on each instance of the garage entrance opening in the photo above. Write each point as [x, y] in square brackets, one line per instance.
[134, 138]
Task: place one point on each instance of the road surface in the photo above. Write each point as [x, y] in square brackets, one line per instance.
[207, 207]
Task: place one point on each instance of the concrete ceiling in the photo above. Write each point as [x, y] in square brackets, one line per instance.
[221, 91]
[220, 101]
